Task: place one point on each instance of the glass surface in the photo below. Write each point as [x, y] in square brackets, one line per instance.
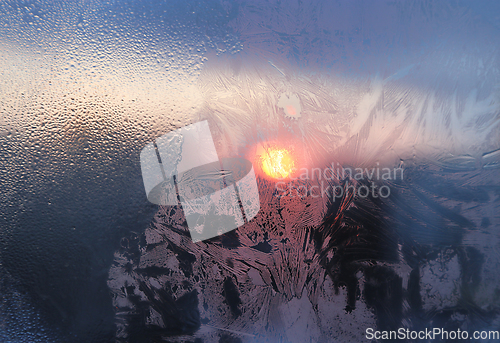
[373, 133]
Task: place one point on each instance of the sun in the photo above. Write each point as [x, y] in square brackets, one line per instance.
[277, 163]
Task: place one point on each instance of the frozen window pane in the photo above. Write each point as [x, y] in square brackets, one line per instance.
[230, 171]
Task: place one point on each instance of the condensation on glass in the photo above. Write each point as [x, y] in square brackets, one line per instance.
[371, 132]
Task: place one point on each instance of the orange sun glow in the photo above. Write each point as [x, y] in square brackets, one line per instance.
[277, 163]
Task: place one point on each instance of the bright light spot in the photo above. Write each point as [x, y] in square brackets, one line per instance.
[277, 163]
[290, 103]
